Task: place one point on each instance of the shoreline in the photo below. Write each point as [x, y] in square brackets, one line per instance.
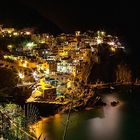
[46, 109]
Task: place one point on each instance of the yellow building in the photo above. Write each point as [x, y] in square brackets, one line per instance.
[27, 64]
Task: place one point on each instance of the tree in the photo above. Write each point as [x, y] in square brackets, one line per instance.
[13, 121]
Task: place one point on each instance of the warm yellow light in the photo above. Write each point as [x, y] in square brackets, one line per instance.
[111, 43]
[9, 31]
[98, 33]
[69, 84]
[42, 41]
[24, 64]
[65, 53]
[27, 33]
[5, 56]
[10, 46]
[102, 33]
[10, 57]
[21, 75]
[15, 34]
[57, 116]
[30, 44]
[47, 71]
[39, 128]
[99, 41]
[77, 33]
[25, 61]
[113, 49]
[34, 73]
[42, 83]
[31, 99]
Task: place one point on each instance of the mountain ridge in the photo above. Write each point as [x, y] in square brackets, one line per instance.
[20, 16]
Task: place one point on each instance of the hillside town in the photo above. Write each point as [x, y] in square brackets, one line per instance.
[55, 68]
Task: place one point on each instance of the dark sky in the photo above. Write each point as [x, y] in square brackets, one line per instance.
[117, 16]
[82, 14]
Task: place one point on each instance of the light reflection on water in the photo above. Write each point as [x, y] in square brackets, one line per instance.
[109, 127]
[87, 125]
[39, 128]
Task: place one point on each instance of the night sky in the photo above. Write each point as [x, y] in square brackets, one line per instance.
[118, 17]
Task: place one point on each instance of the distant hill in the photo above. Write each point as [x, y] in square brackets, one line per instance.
[14, 14]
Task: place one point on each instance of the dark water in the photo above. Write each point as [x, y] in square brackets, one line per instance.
[106, 123]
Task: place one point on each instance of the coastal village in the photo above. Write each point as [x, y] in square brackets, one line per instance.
[69, 70]
[44, 75]
[56, 69]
